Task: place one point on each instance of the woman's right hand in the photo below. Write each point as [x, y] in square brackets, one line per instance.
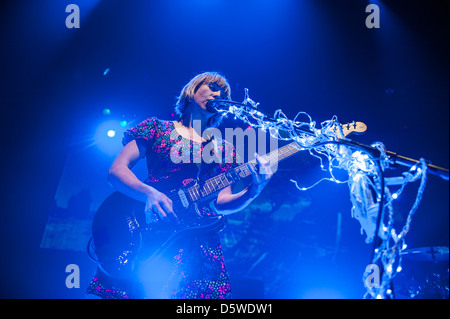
[158, 204]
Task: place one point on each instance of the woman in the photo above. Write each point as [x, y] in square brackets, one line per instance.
[198, 267]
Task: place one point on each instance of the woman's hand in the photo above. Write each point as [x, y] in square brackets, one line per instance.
[228, 203]
[260, 177]
[158, 204]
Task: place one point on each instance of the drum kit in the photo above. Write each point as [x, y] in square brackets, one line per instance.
[425, 274]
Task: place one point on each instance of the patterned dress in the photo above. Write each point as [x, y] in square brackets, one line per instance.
[198, 267]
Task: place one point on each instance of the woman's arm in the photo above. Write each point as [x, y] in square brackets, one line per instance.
[123, 179]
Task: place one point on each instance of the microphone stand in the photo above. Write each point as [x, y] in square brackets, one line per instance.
[409, 162]
[394, 157]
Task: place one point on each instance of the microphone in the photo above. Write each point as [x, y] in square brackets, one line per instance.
[213, 106]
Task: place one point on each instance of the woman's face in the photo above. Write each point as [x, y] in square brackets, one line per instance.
[205, 93]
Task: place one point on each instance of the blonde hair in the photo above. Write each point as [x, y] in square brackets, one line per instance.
[189, 90]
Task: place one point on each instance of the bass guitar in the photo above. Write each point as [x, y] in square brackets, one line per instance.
[122, 237]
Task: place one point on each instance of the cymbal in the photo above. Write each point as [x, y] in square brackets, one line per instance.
[438, 253]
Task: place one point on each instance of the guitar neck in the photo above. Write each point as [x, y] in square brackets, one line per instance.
[217, 183]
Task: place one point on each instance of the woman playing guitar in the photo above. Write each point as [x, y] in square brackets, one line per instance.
[174, 150]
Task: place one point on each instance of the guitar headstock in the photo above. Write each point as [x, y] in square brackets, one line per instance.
[353, 127]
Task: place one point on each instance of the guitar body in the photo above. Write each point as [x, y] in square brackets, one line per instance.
[122, 239]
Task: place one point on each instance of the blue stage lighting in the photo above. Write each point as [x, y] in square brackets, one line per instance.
[108, 137]
[111, 133]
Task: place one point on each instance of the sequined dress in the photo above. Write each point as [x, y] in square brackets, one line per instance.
[198, 267]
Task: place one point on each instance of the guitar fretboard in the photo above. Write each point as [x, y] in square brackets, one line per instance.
[217, 183]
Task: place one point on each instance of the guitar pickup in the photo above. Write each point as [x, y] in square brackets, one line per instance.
[183, 198]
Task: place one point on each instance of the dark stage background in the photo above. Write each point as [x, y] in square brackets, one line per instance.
[133, 58]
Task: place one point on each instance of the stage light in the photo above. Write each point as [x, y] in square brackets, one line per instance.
[108, 137]
[111, 133]
[123, 123]
[106, 111]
